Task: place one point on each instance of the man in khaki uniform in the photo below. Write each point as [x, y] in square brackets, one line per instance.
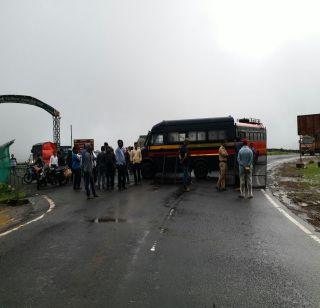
[136, 159]
[223, 160]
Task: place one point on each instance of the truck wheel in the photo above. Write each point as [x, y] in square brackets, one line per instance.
[147, 171]
[200, 170]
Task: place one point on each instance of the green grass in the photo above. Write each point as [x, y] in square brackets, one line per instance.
[7, 196]
[311, 174]
[270, 153]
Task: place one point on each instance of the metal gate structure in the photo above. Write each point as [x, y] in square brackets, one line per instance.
[29, 100]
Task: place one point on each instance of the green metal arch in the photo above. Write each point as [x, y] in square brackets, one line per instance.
[29, 100]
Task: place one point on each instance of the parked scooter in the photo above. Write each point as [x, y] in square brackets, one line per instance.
[30, 175]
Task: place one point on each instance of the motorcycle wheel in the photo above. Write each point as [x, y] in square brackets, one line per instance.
[27, 178]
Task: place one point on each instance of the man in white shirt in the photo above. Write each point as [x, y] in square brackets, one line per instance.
[136, 158]
[53, 163]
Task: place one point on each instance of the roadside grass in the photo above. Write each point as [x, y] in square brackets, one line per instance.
[271, 153]
[7, 193]
[311, 174]
[8, 196]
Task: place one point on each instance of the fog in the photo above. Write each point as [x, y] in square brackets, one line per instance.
[115, 68]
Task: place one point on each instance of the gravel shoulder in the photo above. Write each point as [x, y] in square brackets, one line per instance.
[298, 189]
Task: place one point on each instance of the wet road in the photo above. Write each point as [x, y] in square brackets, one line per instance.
[166, 249]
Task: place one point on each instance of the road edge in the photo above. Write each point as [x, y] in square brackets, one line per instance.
[50, 209]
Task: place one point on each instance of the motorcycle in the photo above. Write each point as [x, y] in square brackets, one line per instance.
[41, 178]
[53, 176]
[30, 175]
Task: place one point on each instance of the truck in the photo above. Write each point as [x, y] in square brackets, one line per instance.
[307, 145]
[309, 133]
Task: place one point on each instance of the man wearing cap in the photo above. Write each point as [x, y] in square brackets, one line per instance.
[184, 160]
[245, 160]
[223, 166]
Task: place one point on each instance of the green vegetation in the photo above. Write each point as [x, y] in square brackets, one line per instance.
[278, 153]
[311, 174]
[281, 151]
[7, 193]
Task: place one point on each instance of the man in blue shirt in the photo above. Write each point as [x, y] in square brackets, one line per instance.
[76, 169]
[245, 160]
[121, 165]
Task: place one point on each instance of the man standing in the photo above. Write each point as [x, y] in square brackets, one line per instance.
[101, 166]
[76, 169]
[13, 164]
[184, 160]
[223, 166]
[121, 165]
[110, 167]
[128, 164]
[136, 158]
[245, 159]
[87, 166]
[54, 161]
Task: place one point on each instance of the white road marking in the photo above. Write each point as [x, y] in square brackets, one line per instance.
[153, 248]
[51, 207]
[51, 203]
[293, 220]
[170, 213]
[140, 242]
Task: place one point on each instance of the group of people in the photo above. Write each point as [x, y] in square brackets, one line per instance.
[100, 168]
[246, 157]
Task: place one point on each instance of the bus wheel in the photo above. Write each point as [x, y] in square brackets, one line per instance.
[200, 170]
[147, 171]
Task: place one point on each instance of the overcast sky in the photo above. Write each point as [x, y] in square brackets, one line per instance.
[114, 68]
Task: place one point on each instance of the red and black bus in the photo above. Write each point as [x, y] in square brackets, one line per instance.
[161, 149]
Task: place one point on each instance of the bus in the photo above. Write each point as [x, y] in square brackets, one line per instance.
[160, 152]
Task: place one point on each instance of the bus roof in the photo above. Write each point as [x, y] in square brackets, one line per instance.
[258, 125]
[202, 121]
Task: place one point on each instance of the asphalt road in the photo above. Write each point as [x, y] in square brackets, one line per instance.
[164, 249]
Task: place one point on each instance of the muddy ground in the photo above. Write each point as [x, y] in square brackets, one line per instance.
[297, 189]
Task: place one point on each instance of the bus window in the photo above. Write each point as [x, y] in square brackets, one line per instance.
[201, 136]
[176, 137]
[242, 135]
[213, 135]
[173, 137]
[222, 135]
[182, 137]
[192, 136]
[157, 139]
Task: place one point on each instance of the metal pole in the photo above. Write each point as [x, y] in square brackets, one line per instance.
[300, 148]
